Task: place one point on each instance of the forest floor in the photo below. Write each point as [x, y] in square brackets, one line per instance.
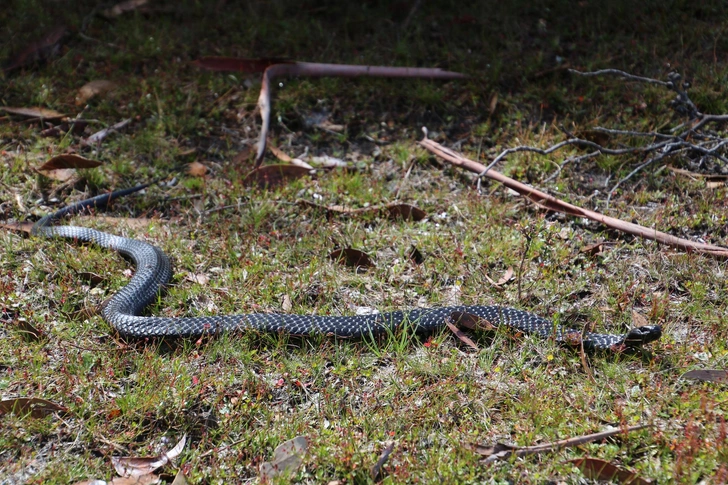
[243, 249]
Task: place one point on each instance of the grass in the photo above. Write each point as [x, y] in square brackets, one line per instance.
[238, 397]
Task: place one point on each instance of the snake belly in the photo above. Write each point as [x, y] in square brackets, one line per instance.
[154, 270]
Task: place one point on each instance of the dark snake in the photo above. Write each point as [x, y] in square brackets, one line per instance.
[153, 272]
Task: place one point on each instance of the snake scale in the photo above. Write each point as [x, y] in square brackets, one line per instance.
[153, 271]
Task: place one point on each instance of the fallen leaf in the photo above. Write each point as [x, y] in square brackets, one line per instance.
[273, 175]
[287, 304]
[40, 51]
[279, 154]
[505, 278]
[639, 320]
[406, 212]
[69, 160]
[123, 7]
[376, 470]
[597, 469]
[196, 169]
[287, 457]
[36, 112]
[136, 467]
[62, 174]
[199, 278]
[37, 408]
[593, 249]
[94, 88]
[238, 64]
[707, 375]
[352, 257]
[180, 478]
[460, 335]
[18, 227]
[493, 103]
[27, 330]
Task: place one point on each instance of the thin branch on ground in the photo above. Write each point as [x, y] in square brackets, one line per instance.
[550, 202]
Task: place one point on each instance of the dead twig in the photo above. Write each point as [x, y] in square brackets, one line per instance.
[550, 202]
[503, 452]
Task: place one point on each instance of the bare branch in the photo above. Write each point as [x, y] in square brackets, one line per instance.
[626, 75]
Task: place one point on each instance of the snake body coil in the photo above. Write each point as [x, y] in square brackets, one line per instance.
[153, 271]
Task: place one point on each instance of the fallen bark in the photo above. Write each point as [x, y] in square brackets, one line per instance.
[549, 202]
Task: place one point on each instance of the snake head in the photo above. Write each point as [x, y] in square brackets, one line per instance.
[642, 335]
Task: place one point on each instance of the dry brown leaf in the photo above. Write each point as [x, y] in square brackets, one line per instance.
[69, 160]
[279, 154]
[273, 175]
[639, 320]
[123, 7]
[597, 469]
[25, 227]
[200, 278]
[127, 466]
[196, 169]
[352, 257]
[707, 375]
[36, 407]
[29, 332]
[505, 278]
[406, 212]
[593, 249]
[493, 103]
[94, 88]
[287, 457]
[460, 335]
[37, 112]
[180, 478]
